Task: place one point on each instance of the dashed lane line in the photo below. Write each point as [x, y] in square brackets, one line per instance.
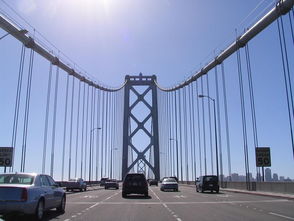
[168, 209]
[282, 216]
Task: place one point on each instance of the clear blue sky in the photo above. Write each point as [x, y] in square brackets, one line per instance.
[170, 38]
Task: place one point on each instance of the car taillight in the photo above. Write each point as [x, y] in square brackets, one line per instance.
[24, 195]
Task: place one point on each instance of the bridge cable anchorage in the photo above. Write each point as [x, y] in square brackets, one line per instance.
[243, 114]
[226, 121]
[217, 101]
[209, 123]
[65, 127]
[77, 129]
[282, 7]
[54, 120]
[17, 103]
[47, 118]
[287, 80]
[27, 110]
[252, 102]
[199, 130]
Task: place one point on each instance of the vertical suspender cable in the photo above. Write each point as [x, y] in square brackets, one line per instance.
[78, 129]
[87, 127]
[91, 133]
[83, 130]
[227, 122]
[106, 134]
[204, 128]
[193, 132]
[185, 131]
[291, 25]
[252, 102]
[65, 127]
[199, 130]
[27, 111]
[287, 81]
[70, 129]
[243, 119]
[209, 122]
[54, 120]
[102, 137]
[176, 130]
[180, 131]
[17, 102]
[98, 133]
[47, 118]
[219, 127]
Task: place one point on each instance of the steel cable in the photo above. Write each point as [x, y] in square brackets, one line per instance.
[70, 127]
[204, 128]
[27, 111]
[17, 104]
[65, 127]
[78, 129]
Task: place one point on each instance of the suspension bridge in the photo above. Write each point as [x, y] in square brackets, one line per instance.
[62, 122]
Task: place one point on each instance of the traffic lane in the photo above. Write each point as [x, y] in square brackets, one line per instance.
[205, 203]
[134, 207]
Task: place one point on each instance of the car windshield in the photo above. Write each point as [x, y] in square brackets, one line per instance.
[16, 179]
[210, 178]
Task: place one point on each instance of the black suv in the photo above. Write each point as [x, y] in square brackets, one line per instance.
[207, 183]
[135, 183]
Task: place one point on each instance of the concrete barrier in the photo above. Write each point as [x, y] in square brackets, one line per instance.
[276, 187]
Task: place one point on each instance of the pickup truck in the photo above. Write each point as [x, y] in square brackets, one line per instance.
[75, 184]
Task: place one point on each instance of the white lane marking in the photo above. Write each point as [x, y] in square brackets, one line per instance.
[73, 216]
[181, 203]
[171, 212]
[66, 220]
[279, 215]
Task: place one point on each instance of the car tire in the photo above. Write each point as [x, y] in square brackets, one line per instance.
[39, 213]
[146, 194]
[85, 189]
[61, 207]
[81, 189]
[124, 195]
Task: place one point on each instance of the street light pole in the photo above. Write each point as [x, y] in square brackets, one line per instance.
[215, 131]
[177, 148]
[90, 161]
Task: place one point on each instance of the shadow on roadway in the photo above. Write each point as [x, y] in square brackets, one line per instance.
[135, 197]
[48, 215]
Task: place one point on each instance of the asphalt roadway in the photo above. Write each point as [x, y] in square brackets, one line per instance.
[185, 205]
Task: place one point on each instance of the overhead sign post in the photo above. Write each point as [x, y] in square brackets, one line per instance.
[263, 157]
[6, 154]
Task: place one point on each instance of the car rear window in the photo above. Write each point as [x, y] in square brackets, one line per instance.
[210, 178]
[135, 177]
[16, 179]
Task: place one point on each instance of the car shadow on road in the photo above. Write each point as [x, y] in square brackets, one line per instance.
[48, 215]
[136, 197]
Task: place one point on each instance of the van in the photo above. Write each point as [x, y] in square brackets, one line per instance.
[204, 183]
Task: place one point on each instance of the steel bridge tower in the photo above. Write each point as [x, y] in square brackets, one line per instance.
[133, 82]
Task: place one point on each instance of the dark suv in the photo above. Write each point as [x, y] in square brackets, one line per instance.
[207, 183]
[135, 183]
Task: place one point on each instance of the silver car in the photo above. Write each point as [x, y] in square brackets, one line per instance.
[169, 184]
[30, 193]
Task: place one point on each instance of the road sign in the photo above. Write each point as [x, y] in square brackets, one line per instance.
[6, 154]
[263, 157]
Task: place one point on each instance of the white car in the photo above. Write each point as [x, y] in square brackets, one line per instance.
[30, 193]
[169, 184]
